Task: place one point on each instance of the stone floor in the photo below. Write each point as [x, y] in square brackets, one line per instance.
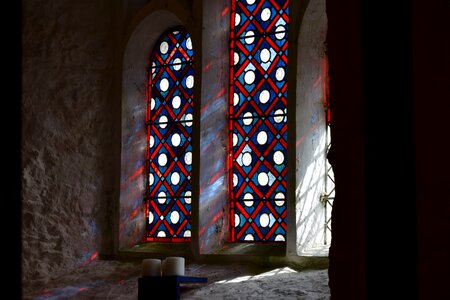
[118, 280]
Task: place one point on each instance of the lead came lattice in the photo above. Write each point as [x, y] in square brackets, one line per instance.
[169, 131]
[258, 120]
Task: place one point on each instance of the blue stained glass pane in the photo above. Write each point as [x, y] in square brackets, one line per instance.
[173, 49]
[165, 108]
[260, 220]
[267, 73]
[173, 73]
[165, 184]
[171, 95]
[260, 17]
[169, 217]
[171, 152]
[264, 152]
[252, 46]
[257, 105]
[187, 81]
[258, 48]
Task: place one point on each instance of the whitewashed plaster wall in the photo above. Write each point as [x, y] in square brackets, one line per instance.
[311, 130]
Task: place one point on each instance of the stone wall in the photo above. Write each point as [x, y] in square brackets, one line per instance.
[66, 134]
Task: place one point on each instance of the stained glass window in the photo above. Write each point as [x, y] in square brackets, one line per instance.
[258, 120]
[169, 135]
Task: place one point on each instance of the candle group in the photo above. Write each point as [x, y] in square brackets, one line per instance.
[171, 266]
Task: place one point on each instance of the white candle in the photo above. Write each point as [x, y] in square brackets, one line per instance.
[151, 267]
[173, 266]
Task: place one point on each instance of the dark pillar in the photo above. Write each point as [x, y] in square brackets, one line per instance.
[347, 251]
[431, 56]
[391, 247]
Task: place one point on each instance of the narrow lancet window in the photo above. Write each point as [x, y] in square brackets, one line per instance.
[258, 120]
[169, 136]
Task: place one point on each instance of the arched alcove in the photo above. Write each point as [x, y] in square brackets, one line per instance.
[134, 80]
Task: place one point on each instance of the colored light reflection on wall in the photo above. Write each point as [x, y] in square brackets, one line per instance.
[258, 120]
[213, 141]
[88, 258]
